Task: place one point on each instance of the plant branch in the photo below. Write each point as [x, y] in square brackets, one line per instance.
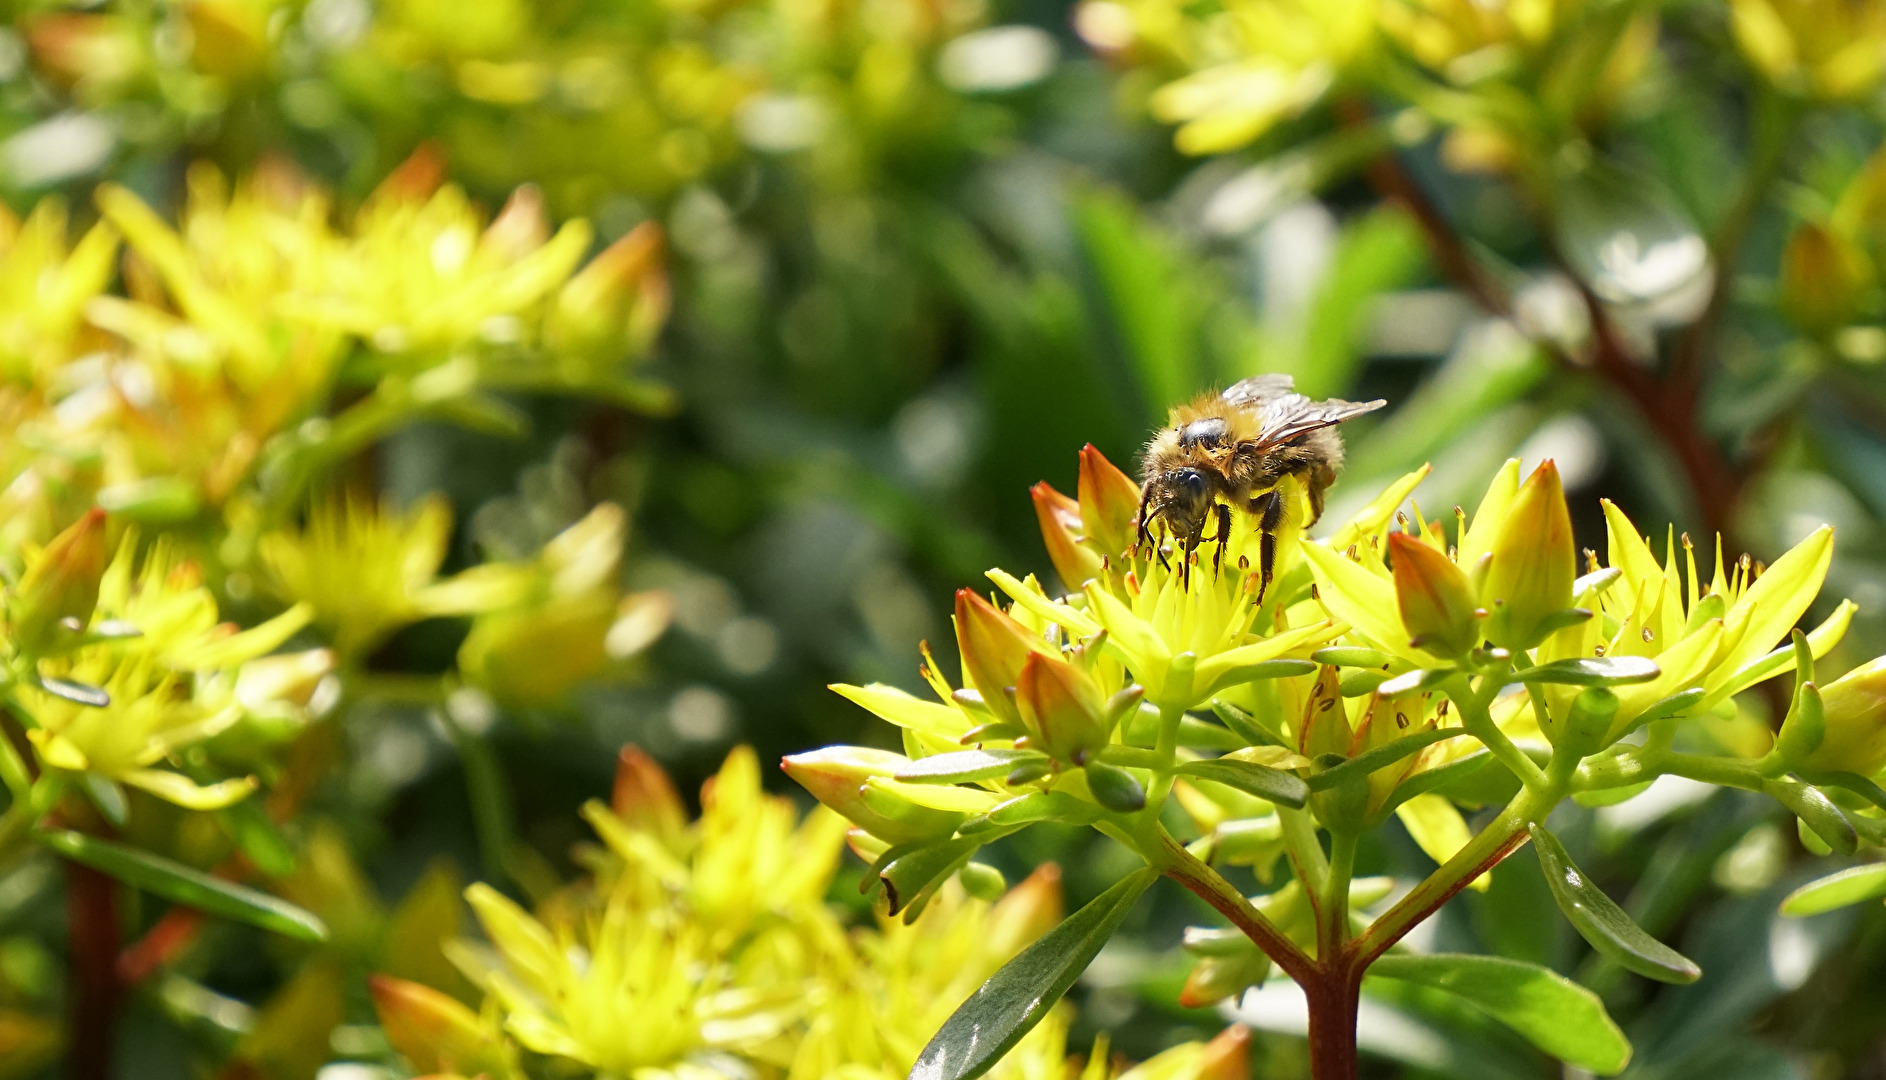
[1503, 836]
[1210, 886]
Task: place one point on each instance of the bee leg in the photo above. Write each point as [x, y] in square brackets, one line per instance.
[1223, 537]
[1270, 515]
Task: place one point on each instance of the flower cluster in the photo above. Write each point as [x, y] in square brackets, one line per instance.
[518, 92]
[699, 946]
[1397, 668]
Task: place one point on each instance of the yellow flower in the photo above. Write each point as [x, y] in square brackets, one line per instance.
[621, 990]
[747, 858]
[546, 627]
[177, 680]
[1834, 49]
[366, 570]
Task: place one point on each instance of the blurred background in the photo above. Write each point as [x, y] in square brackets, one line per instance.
[922, 251]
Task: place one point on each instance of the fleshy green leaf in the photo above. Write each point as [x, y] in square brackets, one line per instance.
[1381, 757]
[1017, 997]
[966, 766]
[1850, 886]
[1554, 1013]
[1593, 671]
[185, 885]
[1599, 920]
[80, 693]
[1280, 787]
[1816, 811]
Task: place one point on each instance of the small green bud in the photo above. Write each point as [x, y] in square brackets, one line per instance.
[1115, 788]
[48, 612]
[982, 881]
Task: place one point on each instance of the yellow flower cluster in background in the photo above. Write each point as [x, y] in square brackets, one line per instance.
[709, 940]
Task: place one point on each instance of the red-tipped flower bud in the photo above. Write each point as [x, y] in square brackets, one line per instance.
[1109, 500]
[1062, 708]
[1436, 600]
[1060, 519]
[54, 601]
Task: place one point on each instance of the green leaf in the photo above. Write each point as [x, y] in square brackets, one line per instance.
[1599, 920]
[1381, 757]
[1816, 811]
[1254, 731]
[80, 693]
[1850, 886]
[248, 824]
[1593, 671]
[1026, 809]
[967, 766]
[909, 879]
[185, 885]
[1286, 789]
[1351, 656]
[1017, 997]
[1418, 679]
[1554, 1013]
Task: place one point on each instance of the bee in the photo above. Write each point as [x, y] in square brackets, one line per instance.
[1231, 449]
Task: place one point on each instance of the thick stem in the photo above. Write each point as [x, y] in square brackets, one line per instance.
[1334, 998]
[92, 933]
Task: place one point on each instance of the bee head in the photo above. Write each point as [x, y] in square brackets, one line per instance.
[1184, 499]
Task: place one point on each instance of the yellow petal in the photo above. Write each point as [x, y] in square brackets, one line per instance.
[1439, 829]
[1038, 602]
[1478, 539]
[182, 791]
[1770, 607]
[1373, 519]
[907, 711]
[1364, 600]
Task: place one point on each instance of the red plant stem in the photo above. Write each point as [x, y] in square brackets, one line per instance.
[161, 944]
[93, 932]
[1334, 998]
[1669, 405]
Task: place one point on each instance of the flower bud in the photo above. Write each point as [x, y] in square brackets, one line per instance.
[1060, 519]
[49, 610]
[620, 297]
[283, 679]
[1853, 710]
[1109, 501]
[1115, 788]
[1216, 978]
[1824, 276]
[1529, 576]
[994, 648]
[835, 776]
[645, 798]
[1436, 601]
[1061, 708]
[433, 1031]
[536, 656]
[1030, 910]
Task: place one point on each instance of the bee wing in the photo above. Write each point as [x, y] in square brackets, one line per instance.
[1260, 391]
[1297, 415]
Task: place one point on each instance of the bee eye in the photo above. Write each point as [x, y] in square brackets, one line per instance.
[1190, 481]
